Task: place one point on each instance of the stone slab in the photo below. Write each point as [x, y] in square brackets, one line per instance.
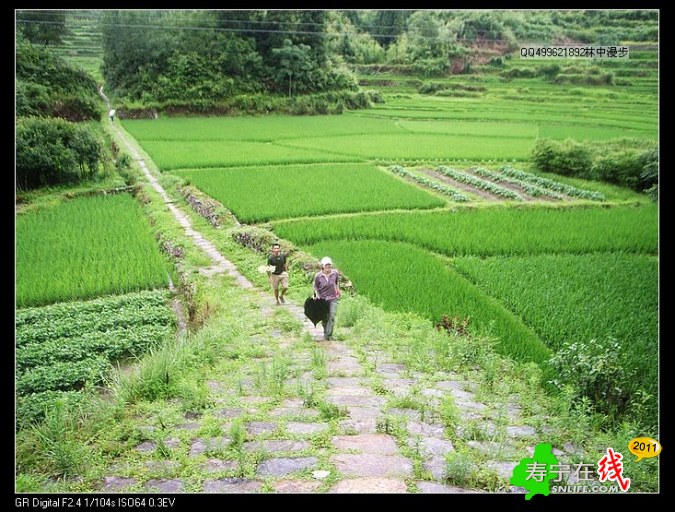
[372, 465]
[369, 486]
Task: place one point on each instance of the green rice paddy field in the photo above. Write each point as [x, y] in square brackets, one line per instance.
[84, 248]
[328, 174]
[535, 274]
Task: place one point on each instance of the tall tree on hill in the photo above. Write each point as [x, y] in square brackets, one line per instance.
[42, 27]
[388, 25]
[293, 61]
[298, 27]
[241, 23]
[136, 48]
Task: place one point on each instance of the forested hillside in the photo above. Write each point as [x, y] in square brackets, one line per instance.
[202, 59]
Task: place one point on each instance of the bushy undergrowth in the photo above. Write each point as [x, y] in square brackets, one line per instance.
[54, 151]
[627, 162]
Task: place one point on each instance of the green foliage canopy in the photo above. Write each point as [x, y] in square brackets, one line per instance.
[48, 86]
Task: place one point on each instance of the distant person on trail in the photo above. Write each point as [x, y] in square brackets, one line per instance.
[278, 276]
[112, 114]
[326, 287]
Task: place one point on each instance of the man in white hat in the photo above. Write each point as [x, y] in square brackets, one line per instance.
[326, 287]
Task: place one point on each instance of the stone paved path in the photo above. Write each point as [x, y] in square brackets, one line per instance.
[363, 451]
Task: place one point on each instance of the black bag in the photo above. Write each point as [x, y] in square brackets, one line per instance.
[316, 310]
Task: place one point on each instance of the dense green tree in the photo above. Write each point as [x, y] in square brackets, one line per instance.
[207, 56]
[298, 27]
[54, 151]
[535, 26]
[355, 17]
[136, 49]
[388, 25]
[241, 23]
[42, 27]
[293, 61]
[47, 86]
[481, 25]
[427, 36]
[348, 43]
[208, 66]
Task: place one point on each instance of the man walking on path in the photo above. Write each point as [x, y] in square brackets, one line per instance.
[279, 276]
[112, 114]
[326, 287]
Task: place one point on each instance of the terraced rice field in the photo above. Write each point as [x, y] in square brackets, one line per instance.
[439, 189]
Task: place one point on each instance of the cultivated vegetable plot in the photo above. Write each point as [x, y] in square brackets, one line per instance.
[529, 186]
[429, 183]
[473, 181]
[83, 248]
[530, 189]
[39, 325]
[549, 184]
[63, 347]
[256, 194]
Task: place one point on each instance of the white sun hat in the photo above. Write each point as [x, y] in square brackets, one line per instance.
[326, 261]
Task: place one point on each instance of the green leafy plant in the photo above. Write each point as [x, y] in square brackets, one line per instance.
[459, 468]
[596, 370]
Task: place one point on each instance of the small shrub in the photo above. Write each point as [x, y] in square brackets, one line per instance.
[459, 468]
[430, 87]
[156, 379]
[330, 411]
[351, 310]
[431, 67]
[568, 158]
[123, 162]
[61, 454]
[621, 167]
[237, 434]
[375, 96]
[626, 162]
[596, 370]
[649, 177]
